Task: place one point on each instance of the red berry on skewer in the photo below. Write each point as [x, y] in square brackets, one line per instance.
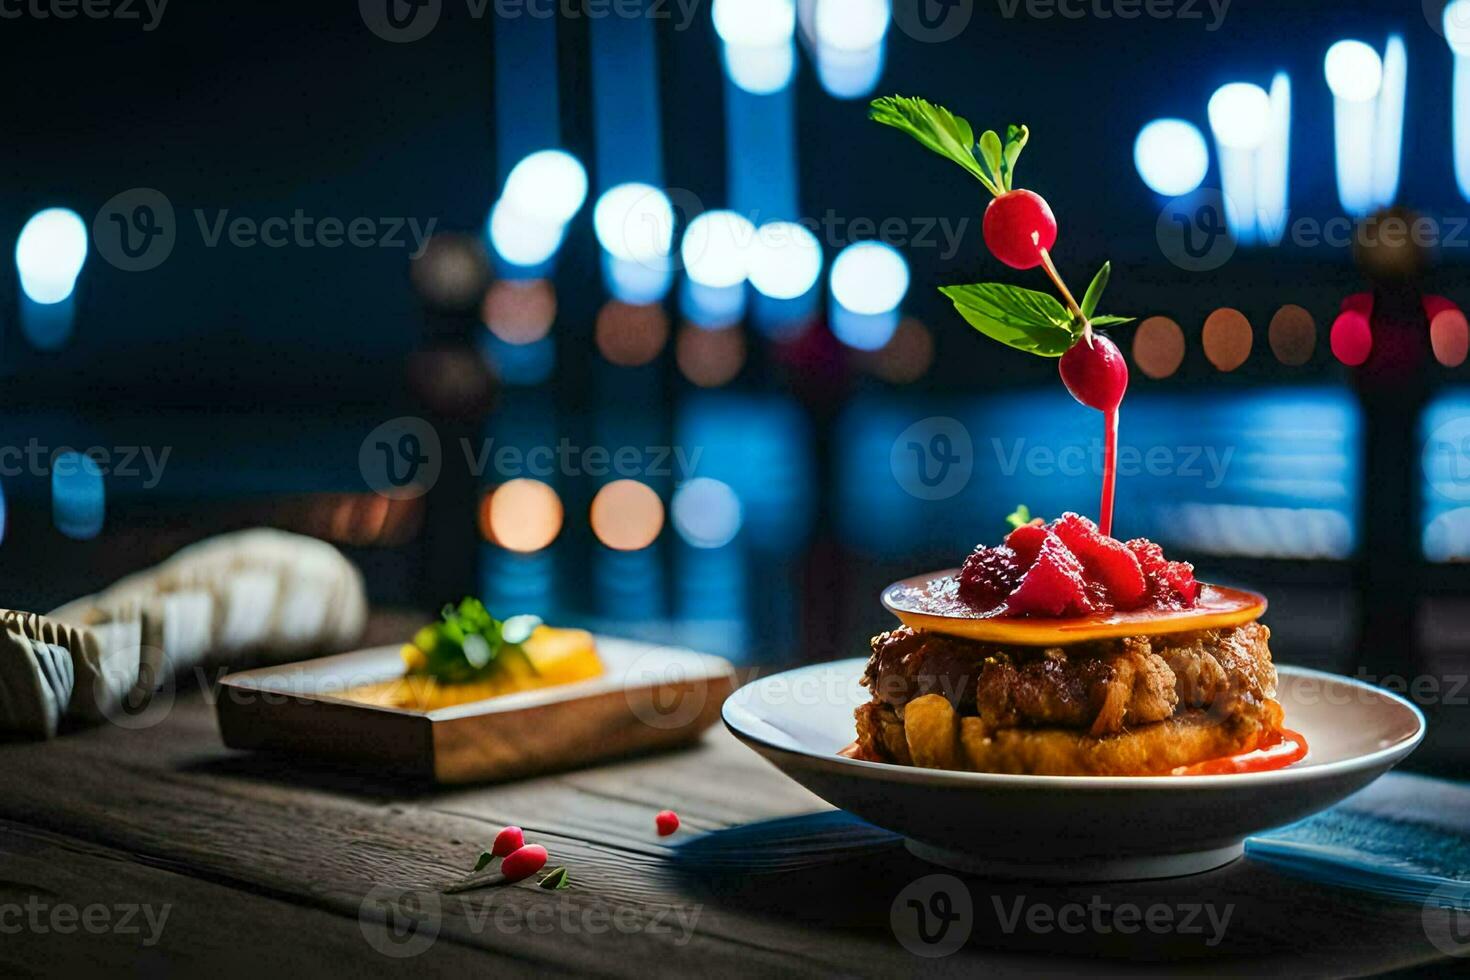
[1018, 225]
[1095, 373]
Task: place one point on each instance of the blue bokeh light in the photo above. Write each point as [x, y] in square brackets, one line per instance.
[706, 513]
[78, 500]
[50, 253]
[1171, 157]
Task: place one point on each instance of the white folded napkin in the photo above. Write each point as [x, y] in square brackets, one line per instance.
[260, 593]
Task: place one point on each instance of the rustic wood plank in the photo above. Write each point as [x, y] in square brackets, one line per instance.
[166, 924]
[324, 840]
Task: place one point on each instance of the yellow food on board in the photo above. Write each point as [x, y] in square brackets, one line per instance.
[553, 657]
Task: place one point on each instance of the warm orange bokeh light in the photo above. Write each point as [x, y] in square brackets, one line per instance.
[631, 336]
[1292, 335]
[1449, 335]
[906, 357]
[627, 515]
[1228, 339]
[1158, 347]
[521, 515]
[710, 357]
[519, 312]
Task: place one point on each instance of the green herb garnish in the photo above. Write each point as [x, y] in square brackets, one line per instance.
[469, 645]
[555, 879]
[485, 858]
[1019, 517]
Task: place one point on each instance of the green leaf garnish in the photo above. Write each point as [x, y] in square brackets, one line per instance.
[936, 127]
[1016, 137]
[1019, 517]
[555, 879]
[485, 858]
[991, 155]
[469, 644]
[1021, 318]
[1109, 321]
[1095, 289]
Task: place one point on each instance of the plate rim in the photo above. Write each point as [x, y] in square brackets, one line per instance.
[887, 771]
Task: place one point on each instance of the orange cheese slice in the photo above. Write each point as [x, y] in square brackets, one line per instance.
[931, 602]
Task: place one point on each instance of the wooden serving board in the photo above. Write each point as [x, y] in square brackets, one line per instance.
[649, 697]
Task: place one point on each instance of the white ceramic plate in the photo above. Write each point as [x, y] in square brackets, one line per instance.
[1074, 827]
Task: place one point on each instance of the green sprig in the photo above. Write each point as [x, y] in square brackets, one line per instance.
[469, 644]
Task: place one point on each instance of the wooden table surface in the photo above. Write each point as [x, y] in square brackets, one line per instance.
[158, 849]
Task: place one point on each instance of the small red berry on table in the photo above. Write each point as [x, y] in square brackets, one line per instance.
[667, 822]
[523, 862]
[506, 841]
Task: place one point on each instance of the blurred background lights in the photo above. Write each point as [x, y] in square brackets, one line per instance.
[519, 311]
[627, 515]
[1171, 157]
[635, 222]
[521, 515]
[50, 253]
[759, 54]
[785, 260]
[451, 272]
[1240, 119]
[631, 335]
[870, 277]
[754, 23]
[851, 25]
[710, 357]
[1354, 71]
[542, 193]
[1456, 24]
[716, 249]
[706, 513]
[1366, 134]
[521, 239]
[548, 186]
[77, 496]
[1239, 113]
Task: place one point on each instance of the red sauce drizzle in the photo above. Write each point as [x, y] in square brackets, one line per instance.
[1277, 751]
[1110, 471]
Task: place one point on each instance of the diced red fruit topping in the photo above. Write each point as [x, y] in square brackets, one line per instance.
[1054, 585]
[1169, 581]
[990, 575]
[1018, 225]
[667, 822]
[506, 841]
[523, 862]
[1070, 568]
[1106, 559]
[1026, 542]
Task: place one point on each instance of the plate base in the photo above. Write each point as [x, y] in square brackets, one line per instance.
[1093, 869]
